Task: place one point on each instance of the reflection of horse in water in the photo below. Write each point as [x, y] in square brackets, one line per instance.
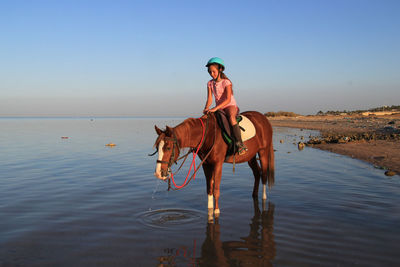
[257, 249]
[213, 151]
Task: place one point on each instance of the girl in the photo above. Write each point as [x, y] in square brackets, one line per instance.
[221, 87]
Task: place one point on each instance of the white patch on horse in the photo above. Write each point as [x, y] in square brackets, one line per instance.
[210, 201]
[160, 157]
[264, 191]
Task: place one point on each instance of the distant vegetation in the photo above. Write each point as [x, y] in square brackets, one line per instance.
[281, 113]
[383, 108]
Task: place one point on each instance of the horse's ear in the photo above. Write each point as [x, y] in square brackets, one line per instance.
[169, 131]
[158, 130]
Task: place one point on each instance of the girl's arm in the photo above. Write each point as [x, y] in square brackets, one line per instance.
[209, 100]
[228, 92]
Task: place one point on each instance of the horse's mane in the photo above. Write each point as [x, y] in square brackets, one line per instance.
[188, 123]
[186, 126]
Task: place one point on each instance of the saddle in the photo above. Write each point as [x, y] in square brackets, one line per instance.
[248, 130]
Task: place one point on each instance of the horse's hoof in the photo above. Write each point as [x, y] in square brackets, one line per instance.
[210, 216]
[264, 192]
[217, 212]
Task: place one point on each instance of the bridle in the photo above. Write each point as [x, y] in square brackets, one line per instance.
[174, 144]
[192, 150]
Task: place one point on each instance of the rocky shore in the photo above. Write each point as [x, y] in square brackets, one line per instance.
[375, 139]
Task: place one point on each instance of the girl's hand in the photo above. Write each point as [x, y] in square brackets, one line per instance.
[206, 110]
[213, 110]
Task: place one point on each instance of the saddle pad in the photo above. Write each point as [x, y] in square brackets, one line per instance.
[249, 129]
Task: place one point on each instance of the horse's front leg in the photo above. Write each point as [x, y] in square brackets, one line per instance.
[208, 172]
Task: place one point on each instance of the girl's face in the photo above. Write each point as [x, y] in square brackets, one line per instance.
[213, 71]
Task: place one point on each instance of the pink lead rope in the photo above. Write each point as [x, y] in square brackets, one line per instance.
[193, 162]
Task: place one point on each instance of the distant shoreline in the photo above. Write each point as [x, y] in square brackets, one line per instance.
[383, 152]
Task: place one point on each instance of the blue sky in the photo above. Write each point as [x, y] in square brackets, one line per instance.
[146, 58]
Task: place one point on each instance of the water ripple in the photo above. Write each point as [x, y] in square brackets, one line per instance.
[164, 218]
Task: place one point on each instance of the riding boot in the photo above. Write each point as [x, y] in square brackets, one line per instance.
[239, 143]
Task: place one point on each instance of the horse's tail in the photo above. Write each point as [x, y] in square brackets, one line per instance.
[271, 166]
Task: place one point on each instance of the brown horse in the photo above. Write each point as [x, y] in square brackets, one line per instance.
[189, 134]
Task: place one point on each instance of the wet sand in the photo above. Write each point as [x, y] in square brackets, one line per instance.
[376, 138]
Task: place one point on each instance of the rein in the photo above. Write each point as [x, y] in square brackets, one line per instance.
[193, 164]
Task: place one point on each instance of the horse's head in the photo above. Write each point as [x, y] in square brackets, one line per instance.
[168, 152]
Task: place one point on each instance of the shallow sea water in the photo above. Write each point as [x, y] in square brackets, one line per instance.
[76, 202]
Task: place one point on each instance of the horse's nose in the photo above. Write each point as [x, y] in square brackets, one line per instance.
[157, 175]
[164, 173]
[160, 176]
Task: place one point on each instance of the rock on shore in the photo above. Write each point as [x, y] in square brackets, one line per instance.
[370, 138]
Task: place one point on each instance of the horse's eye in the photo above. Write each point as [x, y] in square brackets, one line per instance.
[168, 148]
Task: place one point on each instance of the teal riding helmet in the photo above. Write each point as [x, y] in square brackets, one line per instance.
[216, 60]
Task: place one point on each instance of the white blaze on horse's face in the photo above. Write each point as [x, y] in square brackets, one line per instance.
[160, 157]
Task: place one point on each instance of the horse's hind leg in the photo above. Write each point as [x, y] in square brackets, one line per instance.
[256, 172]
[264, 170]
[217, 173]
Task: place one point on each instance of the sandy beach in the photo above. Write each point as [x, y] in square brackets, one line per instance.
[374, 138]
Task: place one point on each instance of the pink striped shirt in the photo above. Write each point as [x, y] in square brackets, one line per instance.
[219, 91]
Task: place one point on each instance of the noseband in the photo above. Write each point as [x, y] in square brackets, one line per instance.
[174, 144]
